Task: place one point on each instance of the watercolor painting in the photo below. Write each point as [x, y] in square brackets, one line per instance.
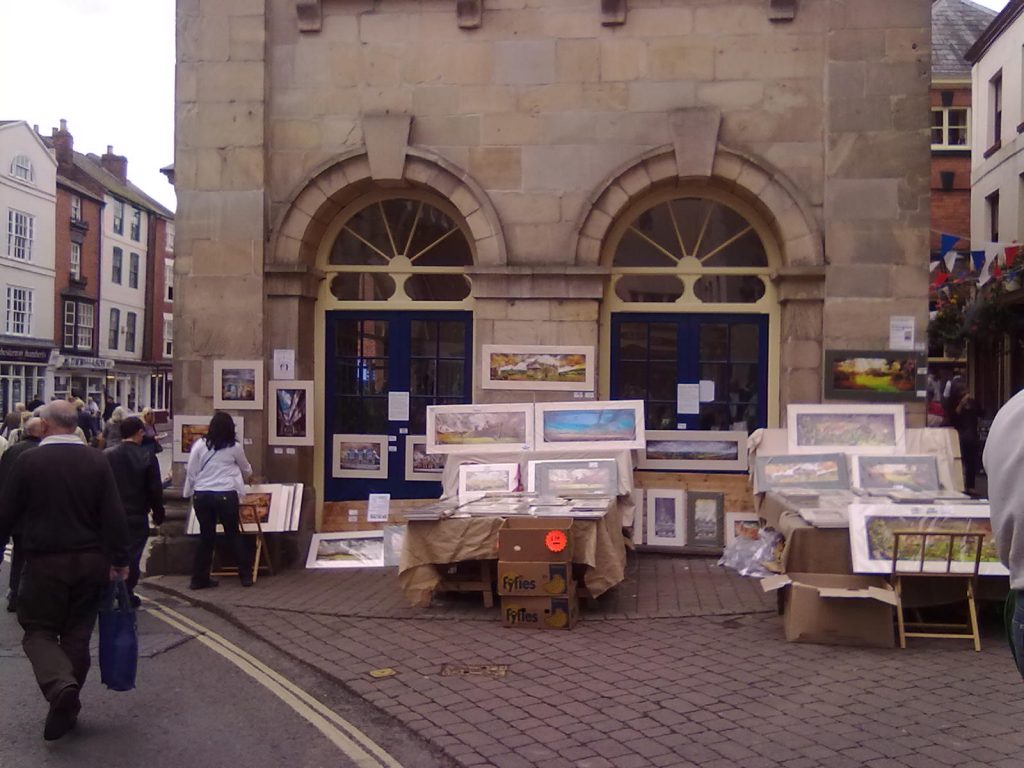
[696, 450]
[537, 367]
[238, 384]
[474, 428]
[915, 473]
[612, 424]
[864, 429]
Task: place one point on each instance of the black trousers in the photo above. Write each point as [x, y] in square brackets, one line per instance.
[17, 561]
[138, 535]
[58, 598]
[213, 507]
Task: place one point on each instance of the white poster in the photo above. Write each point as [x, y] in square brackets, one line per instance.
[284, 364]
[901, 332]
[707, 390]
[378, 507]
[398, 406]
[688, 398]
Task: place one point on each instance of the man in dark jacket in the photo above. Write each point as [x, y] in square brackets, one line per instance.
[137, 473]
[64, 497]
[33, 433]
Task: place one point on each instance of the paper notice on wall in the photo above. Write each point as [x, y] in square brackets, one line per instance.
[688, 398]
[707, 390]
[901, 332]
[284, 364]
[378, 507]
[398, 406]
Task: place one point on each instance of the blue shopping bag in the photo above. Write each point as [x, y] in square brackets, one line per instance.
[119, 640]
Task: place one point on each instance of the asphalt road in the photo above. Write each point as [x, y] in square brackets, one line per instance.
[195, 707]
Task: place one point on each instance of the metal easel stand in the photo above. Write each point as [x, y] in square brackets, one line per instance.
[261, 557]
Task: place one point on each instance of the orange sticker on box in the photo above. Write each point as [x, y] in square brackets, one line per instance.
[556, 541]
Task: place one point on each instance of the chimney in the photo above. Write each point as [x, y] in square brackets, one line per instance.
[63, 144]
[115, 164]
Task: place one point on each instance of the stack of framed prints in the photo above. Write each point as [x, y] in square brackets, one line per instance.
[275, 505]
[685, 520]
[353, 549]
[188, 429]
[478, 480]
[820, 471]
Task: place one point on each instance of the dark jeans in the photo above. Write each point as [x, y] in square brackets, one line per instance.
[17, 561]
[213, 507]
[138, 535]
[58, 598]
[1017, 632]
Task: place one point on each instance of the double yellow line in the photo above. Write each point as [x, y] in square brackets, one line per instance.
[355, 744]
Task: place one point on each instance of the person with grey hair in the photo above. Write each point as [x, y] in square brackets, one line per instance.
[32, 433]
[75, 539]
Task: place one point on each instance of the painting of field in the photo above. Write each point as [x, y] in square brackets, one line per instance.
[917, 473]
[597, 425]
[693, 450]
[484, 480]
[481, 428]
[801, 472]
[846, 429]
[537, 367]
[873, 375]
[880, 530]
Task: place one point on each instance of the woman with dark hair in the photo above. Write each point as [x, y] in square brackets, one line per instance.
[215, 479]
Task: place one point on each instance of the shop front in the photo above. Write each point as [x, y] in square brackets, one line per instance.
[82, 377]
[25, 374]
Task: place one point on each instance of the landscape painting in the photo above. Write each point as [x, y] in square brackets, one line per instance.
[360, 456]
[915, 473]
[873, 375]
[613, 424]
[705, 519]
[238, 384]
[575, 477]
[477, 480]
[862, 429]
[188, 429]
[479, 428]
[421, 464]
[694, 450]
[537, 367]
[290, 423]
[362, 549]
[810, 471]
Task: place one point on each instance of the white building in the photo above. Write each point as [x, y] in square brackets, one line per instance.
[28, 188]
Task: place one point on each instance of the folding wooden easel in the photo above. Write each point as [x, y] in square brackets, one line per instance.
[261, 557]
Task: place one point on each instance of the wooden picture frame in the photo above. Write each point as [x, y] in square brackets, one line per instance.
[696, 450]
[590, 425]
[477, 480]
[913, 473]
[238, 385]
[359, 456]
[666, 518]
[741, 525]
[591, 477]
[822, 470]
[350, 549]
[290, 415]
[537, 367]
[481, 428]
[874, 375]
[705, 519]
[872, 526]
[859, 429]
[420, 464]
[188, 429]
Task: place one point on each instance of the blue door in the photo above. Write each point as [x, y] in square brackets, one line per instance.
[652, 353]
[372, 354]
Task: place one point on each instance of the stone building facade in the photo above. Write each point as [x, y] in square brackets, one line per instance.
[622, 175]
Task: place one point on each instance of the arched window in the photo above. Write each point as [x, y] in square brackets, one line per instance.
[21, 168]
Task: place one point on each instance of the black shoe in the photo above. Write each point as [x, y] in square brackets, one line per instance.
[136, 601]
[246, 581]
[208, 584]
[63, 713]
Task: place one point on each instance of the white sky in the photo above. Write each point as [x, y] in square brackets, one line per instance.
[107, 67]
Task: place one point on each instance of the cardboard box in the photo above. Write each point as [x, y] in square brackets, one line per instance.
[836, 609]
[540, 579]
[526, 539]
[541, 612]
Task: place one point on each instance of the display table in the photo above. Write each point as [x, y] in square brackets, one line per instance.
[599, 547]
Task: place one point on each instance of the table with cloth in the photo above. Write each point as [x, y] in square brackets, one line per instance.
[599, 544]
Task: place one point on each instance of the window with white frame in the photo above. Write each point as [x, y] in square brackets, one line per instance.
[19, 311]
[119, 217]
[129, 332]
[75, 261]
[136, 230]
[116, 265]
[951, 127]
[133, 270]
[79, 324]
[20, 229]
[168, 280]
[114, 333]
[21, 168]
[76, 208]
[168, 335]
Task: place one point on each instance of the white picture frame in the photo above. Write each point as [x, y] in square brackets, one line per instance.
[537, 367]
[666, 518]
[741, 525]
[639, 517]
[277, 499]
[290, 417]
[605, 472]
[480, 428]
[238, 385]
[877, 430]
[349, 549]
[185, 433]
[417, 462]
[868, 544]
[920, 473]
[478, 480]
[694, 450]
[558, 423]
[359, 456]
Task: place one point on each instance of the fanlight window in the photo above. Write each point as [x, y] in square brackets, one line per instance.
[400, 249]
[691, 250]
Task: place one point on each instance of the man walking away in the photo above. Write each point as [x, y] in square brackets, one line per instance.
[1004, 465]
[137, 473]
[73, 531]
[33, 433]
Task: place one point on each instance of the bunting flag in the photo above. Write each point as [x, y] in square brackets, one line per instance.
[978, 260]
[1012, 252]
[946, 243]
[950, 260]
[939, 279]
[990, 269]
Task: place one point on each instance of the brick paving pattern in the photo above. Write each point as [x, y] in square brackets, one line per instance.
[684, 664]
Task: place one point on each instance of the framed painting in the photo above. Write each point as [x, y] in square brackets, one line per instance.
[359, 456]
[697, 450]
[741, 525]
[705, 519]
[574, 477]
[238, 384]
[537, 367]
[824, 470]
[290, 420]
[874, 375]
[477, 480]
[490, 428]
[639, 516]
[419, 464]
[352, 549]
[269, 503]
[666, 519]
[188, 429]
[862, 429]
[872, 529]
[913, 473]
[614, 424]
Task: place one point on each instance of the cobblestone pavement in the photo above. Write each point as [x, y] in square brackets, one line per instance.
[684, 664]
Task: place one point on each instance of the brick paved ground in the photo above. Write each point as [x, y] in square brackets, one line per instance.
[684, 666]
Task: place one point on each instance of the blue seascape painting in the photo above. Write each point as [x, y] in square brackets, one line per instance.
[611, 424]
